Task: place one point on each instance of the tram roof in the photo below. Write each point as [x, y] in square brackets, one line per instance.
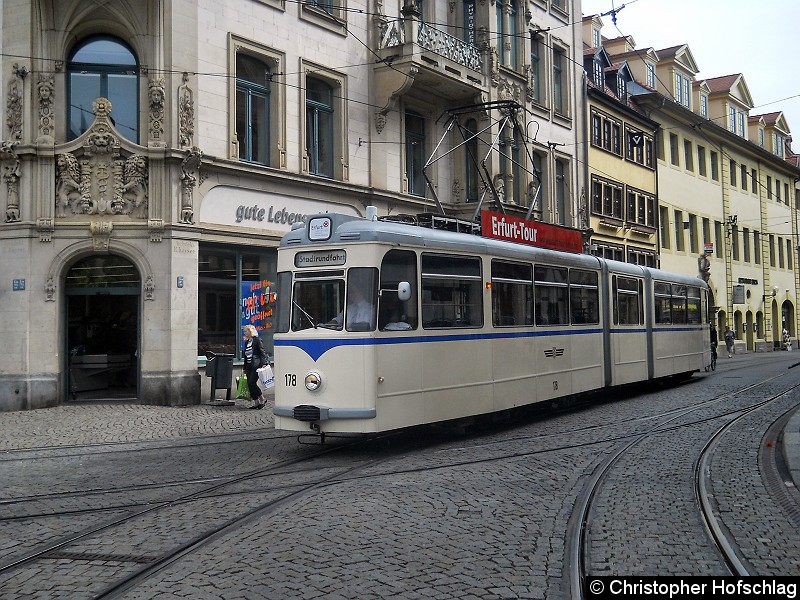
[347, 229]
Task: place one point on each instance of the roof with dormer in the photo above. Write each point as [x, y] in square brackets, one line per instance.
[681, 55]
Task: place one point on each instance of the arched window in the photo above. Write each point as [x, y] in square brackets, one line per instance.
[103, 66]
[252, 109]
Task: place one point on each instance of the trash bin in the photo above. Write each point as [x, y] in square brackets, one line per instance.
[219, 367]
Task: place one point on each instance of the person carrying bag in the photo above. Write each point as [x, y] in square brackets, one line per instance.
[255, 357]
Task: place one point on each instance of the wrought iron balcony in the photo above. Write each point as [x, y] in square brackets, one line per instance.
[393, 33]
[428, 57]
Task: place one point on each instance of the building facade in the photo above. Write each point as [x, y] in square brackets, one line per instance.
[621, 159]
[154, 152]
[727, 187]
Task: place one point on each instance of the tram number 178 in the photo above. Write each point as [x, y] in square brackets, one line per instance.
[290, 379]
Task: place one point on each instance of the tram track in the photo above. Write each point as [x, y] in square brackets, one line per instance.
[578, 542]
[144, 515]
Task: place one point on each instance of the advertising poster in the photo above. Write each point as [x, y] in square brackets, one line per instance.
[258, 302]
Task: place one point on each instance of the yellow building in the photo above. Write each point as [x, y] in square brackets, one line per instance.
[622, 193]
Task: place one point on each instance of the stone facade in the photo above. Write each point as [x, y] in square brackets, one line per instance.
[186, 178]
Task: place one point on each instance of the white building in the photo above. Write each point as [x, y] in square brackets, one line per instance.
[154, 152]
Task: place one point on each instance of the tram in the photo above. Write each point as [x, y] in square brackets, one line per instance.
[382, 325]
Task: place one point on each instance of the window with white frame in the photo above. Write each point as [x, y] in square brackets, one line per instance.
[597, 67]
[606, 132]
[777, 144]
[640, 208]
[639, 147]
[606, 198]
[650, 78]
[682, 90]
[704, 105]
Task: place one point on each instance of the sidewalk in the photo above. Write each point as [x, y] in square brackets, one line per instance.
[791, 446]
[82, 423]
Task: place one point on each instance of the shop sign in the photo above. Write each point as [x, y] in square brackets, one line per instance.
[533, 233]
[241, 207]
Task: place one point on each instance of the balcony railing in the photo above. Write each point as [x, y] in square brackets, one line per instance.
[392, 33]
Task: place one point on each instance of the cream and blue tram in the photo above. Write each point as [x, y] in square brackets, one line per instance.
[459, 325]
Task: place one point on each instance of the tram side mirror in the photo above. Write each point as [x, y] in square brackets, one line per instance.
[404, 291]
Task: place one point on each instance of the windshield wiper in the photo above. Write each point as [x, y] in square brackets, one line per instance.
[308, 316]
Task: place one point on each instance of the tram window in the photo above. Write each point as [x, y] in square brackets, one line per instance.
[583, 297]
[679, 304]
[663, 302]
[693, 311]
[451, 291]
[317, 302]
[512, 294]
[283, 300]
[551, 294]
[362, 293]
[627, 301]
[395, 314]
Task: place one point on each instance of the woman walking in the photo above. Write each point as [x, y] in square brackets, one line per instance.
[255, 357]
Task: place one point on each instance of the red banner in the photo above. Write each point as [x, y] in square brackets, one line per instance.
[533, 233]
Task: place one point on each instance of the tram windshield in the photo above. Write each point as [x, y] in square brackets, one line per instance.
[319, 300]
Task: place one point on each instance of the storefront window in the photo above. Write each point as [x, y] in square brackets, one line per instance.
[234, 289]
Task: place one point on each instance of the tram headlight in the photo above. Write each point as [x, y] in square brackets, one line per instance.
[313, 381]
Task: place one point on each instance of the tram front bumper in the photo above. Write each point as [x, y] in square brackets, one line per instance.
[310, 413]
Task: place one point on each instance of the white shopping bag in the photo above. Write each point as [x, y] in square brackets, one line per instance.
[266, 377]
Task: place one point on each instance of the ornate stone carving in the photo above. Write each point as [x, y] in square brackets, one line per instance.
[101, 233]
[45, 87]
[380, 122]
[11, 174]
[50, 289]
[456, 190]
[156, 228]
[68, 187]
[190, 164]
[157, 97]
[134, 191]
[97, 179]
[9, 163]
[46, 227]
[14, 103]
[185, 113]
[149, 288]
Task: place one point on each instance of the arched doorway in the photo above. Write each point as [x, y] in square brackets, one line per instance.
[102, 330]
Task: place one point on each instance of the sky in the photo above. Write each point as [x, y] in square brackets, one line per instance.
[757, 39]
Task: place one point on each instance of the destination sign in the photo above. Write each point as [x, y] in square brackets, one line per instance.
[327, 258]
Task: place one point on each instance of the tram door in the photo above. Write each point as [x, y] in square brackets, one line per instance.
[102, 332]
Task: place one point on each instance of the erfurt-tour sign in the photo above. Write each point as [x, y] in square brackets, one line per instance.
[533, 233]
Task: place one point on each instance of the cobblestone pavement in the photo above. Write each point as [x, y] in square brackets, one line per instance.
[438, 515]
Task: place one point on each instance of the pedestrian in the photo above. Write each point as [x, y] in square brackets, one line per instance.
[714, 340]
[729, 337]
[255, 357]
[787, 342]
